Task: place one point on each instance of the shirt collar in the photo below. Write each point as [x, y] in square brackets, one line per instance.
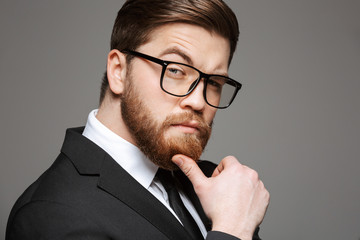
[127, 155]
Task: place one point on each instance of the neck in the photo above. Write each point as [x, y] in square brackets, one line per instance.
[109, 114]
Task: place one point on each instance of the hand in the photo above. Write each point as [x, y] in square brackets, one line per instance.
[234, 197]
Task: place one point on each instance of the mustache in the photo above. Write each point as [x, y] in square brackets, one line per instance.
[179, 118]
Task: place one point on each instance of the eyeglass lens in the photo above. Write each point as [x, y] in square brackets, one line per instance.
[180, 79]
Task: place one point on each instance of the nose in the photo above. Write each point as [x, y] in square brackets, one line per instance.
[195, 100]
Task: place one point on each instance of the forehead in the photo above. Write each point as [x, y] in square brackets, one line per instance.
[190, 43]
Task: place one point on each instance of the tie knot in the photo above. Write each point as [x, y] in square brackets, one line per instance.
[167, 179]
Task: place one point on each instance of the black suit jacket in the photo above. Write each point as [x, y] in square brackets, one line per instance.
[85, 194]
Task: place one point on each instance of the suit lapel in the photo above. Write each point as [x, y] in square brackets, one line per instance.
[117, 182]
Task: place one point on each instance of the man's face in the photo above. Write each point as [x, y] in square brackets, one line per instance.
[163, 125]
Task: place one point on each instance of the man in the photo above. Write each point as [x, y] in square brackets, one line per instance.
[133, 171]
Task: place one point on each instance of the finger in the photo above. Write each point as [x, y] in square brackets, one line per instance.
[225, 163]
[218, 169]
[189, 167]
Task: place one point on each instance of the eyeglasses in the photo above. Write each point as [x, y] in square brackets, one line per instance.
[178, 79]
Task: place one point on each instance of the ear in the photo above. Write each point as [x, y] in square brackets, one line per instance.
[116, 71]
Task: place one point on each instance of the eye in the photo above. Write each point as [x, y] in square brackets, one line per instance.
[176, 71]
[216, 82]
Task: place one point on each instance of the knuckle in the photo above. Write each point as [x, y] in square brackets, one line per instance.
[265, 192]
[188, 170]
[262, 186]
[254, 176]
[237, 169]
[230, 160]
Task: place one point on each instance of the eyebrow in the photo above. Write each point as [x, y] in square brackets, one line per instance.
[187, 59]
[177, 51]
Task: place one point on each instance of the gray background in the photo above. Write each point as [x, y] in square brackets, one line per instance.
[296, 121]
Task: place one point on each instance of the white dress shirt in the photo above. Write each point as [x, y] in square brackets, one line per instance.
[130, 158]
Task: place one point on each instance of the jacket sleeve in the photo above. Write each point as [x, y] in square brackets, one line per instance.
[215, 235]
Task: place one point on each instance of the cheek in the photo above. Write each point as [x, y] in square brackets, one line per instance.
[148, 84]
[146, 77]
[158, 103]
[209, 114]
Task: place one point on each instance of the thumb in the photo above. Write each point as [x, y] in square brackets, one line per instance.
[189, 167]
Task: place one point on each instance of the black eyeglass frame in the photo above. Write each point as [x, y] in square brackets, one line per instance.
[202, 75]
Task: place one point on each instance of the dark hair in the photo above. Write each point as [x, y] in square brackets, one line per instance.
[138, 18]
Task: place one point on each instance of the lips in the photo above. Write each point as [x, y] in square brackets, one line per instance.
[187, 126]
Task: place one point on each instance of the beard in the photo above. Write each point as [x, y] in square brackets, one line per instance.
[150, 134]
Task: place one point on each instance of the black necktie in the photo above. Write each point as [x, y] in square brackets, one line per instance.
[168, 181]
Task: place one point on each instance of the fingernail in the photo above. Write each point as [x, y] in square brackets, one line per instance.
[178, 160]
